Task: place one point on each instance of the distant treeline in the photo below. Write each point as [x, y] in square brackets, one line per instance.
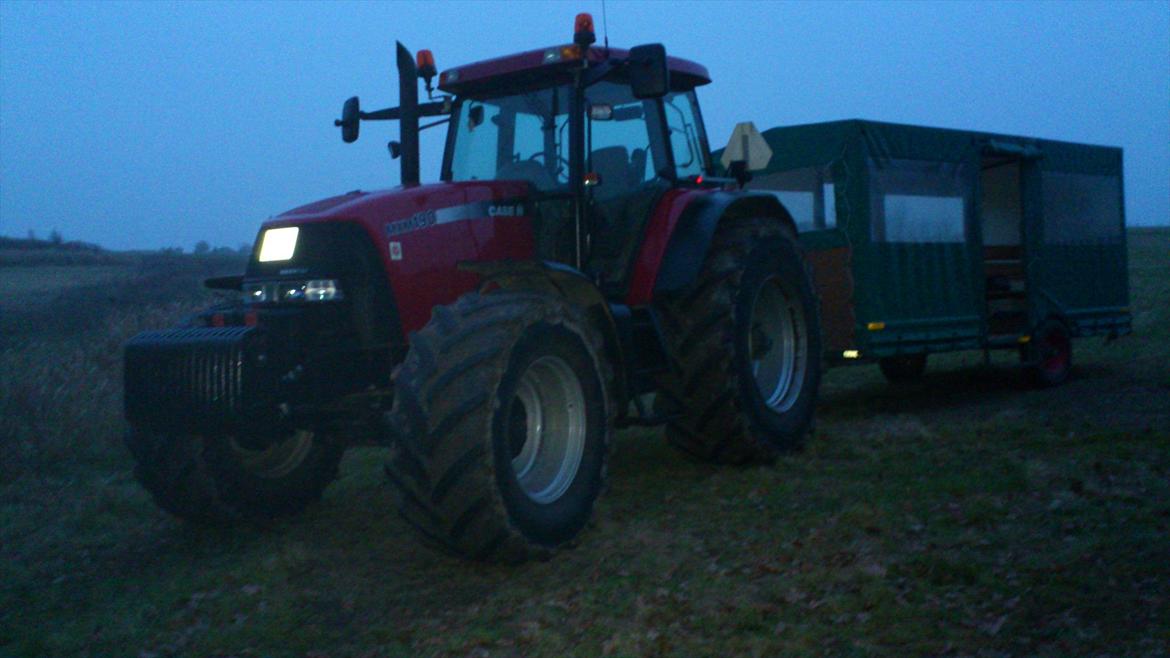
[54, 242]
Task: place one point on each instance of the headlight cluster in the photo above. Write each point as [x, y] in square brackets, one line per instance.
[313, 290]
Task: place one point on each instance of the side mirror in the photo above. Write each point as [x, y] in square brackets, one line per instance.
[649, 77]
[350, 120]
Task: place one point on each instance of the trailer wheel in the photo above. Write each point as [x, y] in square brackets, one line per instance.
[1049, 354]
[502, 425]
[747, 341]
[223, 479]
[903, 369]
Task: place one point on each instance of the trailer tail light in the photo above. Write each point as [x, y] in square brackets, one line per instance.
[583, 29]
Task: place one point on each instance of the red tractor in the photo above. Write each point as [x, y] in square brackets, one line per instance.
[493, 329]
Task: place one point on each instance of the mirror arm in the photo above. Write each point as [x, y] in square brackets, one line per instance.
[435, 109]
[596, 74]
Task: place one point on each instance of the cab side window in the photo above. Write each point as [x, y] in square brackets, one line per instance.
[684, 134]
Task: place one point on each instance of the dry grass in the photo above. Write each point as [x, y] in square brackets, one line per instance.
[964, 516]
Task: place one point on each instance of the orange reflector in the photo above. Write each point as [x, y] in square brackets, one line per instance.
[876, 326]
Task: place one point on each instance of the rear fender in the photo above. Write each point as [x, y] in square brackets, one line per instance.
[571, 284]
[680, 235]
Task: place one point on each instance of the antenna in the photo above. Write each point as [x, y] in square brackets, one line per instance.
[605, 27]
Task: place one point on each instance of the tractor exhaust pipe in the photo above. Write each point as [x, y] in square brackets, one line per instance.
[408, 115]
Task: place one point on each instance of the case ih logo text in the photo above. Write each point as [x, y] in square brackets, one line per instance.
[506, 211]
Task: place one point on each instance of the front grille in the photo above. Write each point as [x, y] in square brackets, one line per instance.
[196, 379]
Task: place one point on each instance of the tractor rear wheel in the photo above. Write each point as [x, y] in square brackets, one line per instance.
[225, 479]
[747, 340]
[501, 426]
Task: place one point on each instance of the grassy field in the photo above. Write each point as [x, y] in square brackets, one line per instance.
[965, 516]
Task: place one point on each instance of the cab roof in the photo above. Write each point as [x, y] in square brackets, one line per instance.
[544, 64]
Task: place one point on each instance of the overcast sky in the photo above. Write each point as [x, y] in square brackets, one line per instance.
[151, 124]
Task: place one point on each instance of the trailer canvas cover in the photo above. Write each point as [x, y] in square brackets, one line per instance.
[927, 239]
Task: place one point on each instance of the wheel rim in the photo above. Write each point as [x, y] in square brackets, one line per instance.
[546, 429]
[777, 345]
[278, 459]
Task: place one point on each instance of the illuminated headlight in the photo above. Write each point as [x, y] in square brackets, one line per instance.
[321, 290]
[314, 290]
[256, 293]
[278, 244]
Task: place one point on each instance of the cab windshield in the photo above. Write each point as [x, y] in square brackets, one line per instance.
[518, 137]
[526, 137]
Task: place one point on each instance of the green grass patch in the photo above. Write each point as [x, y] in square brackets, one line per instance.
[967, 515]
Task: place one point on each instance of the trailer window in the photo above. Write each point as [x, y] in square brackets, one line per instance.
[919, 201]
[1081, 208]
[808, 194]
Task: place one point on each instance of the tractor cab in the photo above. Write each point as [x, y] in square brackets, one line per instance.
[598, 134]
[633, 149]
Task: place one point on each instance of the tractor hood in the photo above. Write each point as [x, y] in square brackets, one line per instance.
[405, 202]
[420, 234]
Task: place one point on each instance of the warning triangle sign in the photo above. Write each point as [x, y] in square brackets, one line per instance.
[747, 144]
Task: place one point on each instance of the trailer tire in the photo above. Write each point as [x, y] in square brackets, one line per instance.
[502, 422]
[1049, 354]
[903, 369]
[216, 479]
[734, 398]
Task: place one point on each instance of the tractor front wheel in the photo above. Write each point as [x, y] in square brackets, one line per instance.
[224, 478]
[502, 426]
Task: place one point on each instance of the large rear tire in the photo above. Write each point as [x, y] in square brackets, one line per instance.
[747, 340]
[222, 479]
[502, 426]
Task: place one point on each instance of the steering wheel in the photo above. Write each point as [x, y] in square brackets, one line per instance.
[527, 170]
[562, 163]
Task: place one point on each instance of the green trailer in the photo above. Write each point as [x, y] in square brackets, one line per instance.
[930, 240]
